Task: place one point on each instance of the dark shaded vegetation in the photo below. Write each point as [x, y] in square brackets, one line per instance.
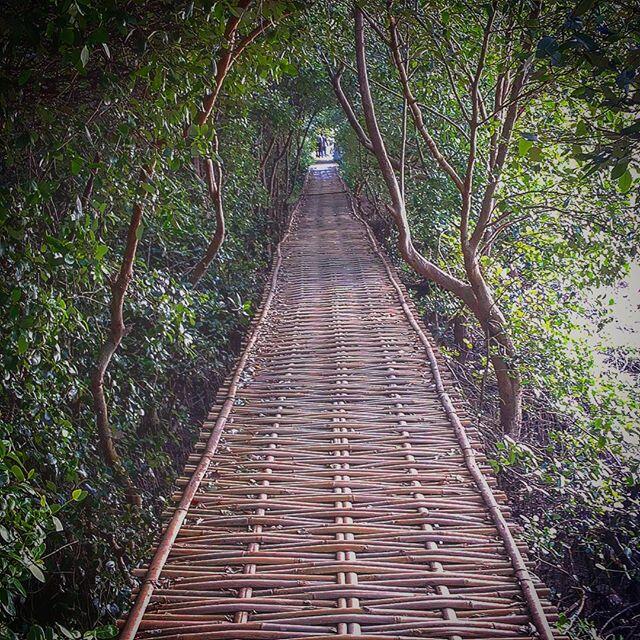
[91, 95]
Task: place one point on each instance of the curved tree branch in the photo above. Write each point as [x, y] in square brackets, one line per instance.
[214, 188]
[350, 114]
[119, 288]
[416, 111]
[397, 209]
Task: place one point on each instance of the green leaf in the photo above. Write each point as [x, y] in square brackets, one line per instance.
[77, 213]
[57, 523]
[524, 146]
[17, 585]
[76, 165]
[84, 56]
[17, 472]
[101, 251]
[36, 632]
[67, 36]
[535, 153]
[23, 344]
[78, 495]
[624, 181]
[65, 632]
[6, 600]
[581, 129]
[619, 169]
[23, 78]
[36, 571]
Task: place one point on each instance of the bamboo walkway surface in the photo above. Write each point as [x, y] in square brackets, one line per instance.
[333, 492]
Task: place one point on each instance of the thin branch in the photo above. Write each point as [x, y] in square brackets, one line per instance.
[214, 188]
[397, 210]
[336, 78]
[506, 131]
[416, 111]
[467, 191]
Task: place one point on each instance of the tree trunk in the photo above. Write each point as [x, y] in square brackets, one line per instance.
[116, 333]
[214, 187]
[461, 337]
[506, 371]
[476, 293]
[504, 353]
[300, 147]
[510, 391]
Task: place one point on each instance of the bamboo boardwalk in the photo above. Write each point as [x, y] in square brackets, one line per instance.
[333, 492]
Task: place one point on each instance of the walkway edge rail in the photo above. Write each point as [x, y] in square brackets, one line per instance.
[172, 529]
[521, 572]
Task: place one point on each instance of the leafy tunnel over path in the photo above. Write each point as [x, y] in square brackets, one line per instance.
[152, 152]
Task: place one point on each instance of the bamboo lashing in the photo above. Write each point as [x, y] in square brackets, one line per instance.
[337, 491]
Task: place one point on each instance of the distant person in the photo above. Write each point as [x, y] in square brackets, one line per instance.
[319, 146]
[330, 147]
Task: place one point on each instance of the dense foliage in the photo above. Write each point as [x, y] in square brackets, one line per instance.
[565, 227]
[90, 93]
